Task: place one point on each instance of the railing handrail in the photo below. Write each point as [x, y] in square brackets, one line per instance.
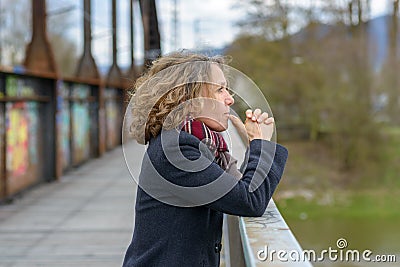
[275, 235]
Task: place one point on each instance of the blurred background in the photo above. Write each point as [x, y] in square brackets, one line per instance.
[329, 69]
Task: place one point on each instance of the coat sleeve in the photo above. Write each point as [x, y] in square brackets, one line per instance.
[232, 168]
[204, 183]
[261, 170]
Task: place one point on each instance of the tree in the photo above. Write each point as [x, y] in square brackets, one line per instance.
[319, 77]
[15, 27]
[265, 18]
[16, 21]
[276, 19]
[59, 21]
[390, 70]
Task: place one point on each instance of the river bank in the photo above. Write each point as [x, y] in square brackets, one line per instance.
[322, 204]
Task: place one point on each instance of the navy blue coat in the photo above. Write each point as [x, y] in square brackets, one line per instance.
[168, 235]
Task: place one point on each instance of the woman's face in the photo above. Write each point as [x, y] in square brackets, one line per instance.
[217, 100]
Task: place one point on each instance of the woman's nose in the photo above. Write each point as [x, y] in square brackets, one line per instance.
[229, 99]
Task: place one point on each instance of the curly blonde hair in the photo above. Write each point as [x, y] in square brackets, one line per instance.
[159, 96]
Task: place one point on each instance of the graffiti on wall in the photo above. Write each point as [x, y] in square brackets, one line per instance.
[113, 116]
[17, 139]
[22, 128]
[80, 122]
[32, 114]
[63, 123]
[18, 87]
[2, 132]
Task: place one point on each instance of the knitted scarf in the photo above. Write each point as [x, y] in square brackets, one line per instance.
[214, 140]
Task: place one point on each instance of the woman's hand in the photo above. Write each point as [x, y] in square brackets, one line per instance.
[258, 125]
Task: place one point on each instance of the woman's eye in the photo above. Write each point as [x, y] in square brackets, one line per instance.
[232, 94]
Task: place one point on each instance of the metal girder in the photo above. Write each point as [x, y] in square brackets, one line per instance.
[39, 55]
[152, 46]
[87, 67]
[114, 74]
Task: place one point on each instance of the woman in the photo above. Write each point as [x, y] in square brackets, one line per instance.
[188, 178]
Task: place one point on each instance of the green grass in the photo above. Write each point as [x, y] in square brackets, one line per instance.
[339, 204]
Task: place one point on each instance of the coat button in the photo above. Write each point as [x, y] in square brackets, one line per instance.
[218, 247]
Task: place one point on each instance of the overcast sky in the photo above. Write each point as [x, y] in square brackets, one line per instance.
[201, 23]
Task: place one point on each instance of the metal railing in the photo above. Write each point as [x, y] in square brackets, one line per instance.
[257, 241]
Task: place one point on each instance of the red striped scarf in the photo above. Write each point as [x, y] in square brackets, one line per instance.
[214, 140]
